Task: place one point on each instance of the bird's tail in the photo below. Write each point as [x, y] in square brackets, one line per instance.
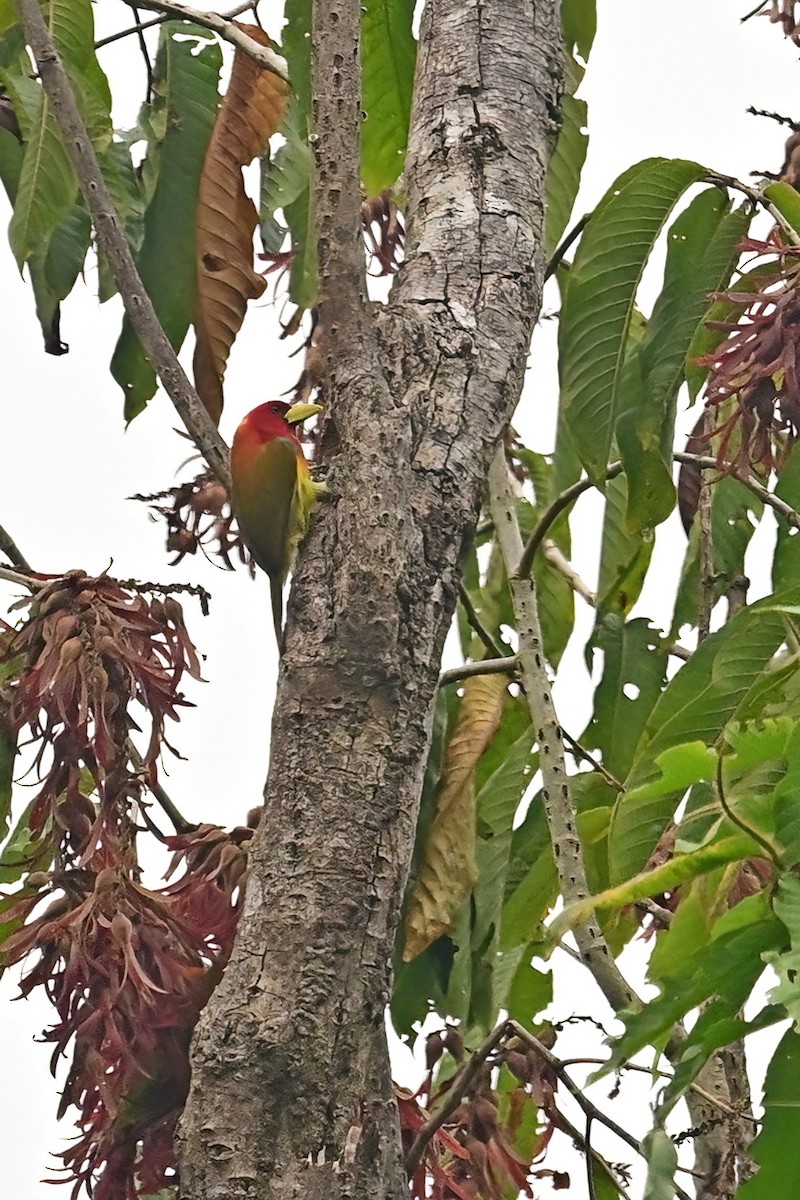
[276, 594]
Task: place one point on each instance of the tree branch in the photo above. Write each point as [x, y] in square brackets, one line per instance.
[24, 580]
[484, 666]
[141, 26]
[114, 245]
[554, 510]
[707, 463]
[477, 625]
[455, 1093]
[556, 792]
[12, 552]
[225, 29]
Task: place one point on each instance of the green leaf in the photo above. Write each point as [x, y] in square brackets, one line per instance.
[388, 57]
[285, 176]
[126, 193]
[601, 296]
[53, 273]
[530, 992]
[735, 512]
[775, 1148]
[179, 123]
[787, 810]
[579, 25]
[786, 560]
[47, 188]
[624, 556]
[786, 903]
[695, 706]
[634, 669]
[47, 185]
[564, 170]
[531, 882]
[701, 253]
[666, 878]
[286, 183]
[297, 51]
[662, 1162]
[787, 202]
[728, 968]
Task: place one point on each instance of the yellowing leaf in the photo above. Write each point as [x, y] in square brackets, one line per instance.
[447, 871]
[226, 217]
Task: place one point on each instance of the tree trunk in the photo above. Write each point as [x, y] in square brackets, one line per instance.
[291, 1093]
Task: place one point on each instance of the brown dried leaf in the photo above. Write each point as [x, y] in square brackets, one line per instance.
[447, 871]
[226, 217]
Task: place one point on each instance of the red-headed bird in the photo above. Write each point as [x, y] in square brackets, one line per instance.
[273, 492]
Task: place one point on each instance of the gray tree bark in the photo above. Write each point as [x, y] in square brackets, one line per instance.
[291, 1093]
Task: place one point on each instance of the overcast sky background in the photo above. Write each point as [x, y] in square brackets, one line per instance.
[664, 79]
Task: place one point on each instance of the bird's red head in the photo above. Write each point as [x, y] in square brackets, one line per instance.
[269, 420]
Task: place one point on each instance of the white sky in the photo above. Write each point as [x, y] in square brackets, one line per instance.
[664, 79]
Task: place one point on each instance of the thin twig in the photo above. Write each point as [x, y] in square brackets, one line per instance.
[563, 1123]
[706, 463]
[556, 793]
[12, 551]
[143, 25]
[227, 30]
[477, 625]
[581, 753]
[485, 666]
[561, 250]
[590, 1109]
[758, 198]
[33, 585]
[179, 822]
[114, 245]
[145, 53]
[554, 510]
[772, 116]
[559, 562]
[461, 1081]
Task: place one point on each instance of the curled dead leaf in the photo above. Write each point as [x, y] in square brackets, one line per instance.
[447, 871]
[250, 113]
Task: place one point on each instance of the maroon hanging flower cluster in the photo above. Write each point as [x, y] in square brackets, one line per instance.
[784, 13]
[471, 1156]
[384, 232]
[754, 377]
[128, 969]
[87, 650]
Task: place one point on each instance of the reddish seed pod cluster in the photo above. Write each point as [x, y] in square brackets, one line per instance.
[784, 13]
[754, 375]
[198, 517]
[128, 971]
[471, 1156]
[88, 650]
[127, 968]
[384, 232]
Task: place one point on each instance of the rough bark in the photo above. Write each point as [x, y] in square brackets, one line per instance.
[291, 1092]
